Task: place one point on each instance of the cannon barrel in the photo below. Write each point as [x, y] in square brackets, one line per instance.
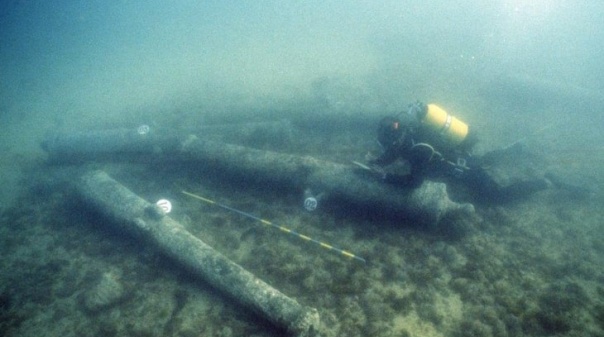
[427, 204]
[149, 223]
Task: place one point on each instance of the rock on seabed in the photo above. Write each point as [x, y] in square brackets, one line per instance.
[106, 293]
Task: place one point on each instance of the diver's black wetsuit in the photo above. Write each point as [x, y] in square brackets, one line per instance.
[422, 150]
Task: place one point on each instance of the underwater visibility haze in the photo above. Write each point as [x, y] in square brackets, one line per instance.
[309, 80]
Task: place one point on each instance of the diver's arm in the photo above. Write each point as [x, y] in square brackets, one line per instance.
[419, 159]
[386, 158]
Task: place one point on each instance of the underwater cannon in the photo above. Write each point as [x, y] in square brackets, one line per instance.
[428, 204]
[149, 223]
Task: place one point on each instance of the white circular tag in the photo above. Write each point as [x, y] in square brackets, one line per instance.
[310, 204]
[143, 129]
[165, 205]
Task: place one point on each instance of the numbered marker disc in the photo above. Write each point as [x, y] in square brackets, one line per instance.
[143, 129]
[165, 205]
[310, 204]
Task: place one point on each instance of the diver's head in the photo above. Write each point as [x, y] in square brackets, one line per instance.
[390, 130]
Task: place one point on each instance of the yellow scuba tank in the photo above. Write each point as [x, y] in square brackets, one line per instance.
[450, 129]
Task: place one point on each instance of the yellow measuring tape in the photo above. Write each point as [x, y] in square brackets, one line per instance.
[283, 229]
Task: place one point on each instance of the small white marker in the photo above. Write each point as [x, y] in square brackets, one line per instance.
[143, 129]
[311, 203]
[165, 205]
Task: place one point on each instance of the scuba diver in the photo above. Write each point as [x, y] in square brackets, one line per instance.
[436, 146]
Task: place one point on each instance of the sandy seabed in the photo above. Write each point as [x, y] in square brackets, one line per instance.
[532, 268]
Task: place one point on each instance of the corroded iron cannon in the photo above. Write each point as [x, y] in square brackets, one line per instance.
[428, 204]
[149, 223]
